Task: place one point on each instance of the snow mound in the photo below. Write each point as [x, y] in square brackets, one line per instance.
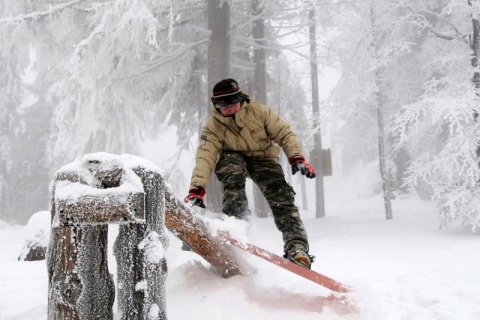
[37, 234]
[38, 228]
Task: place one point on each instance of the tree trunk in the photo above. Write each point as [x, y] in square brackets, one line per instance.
[381, 131]
[382, 157]
[259, 56]
[317, 138]
[218, 69]
[262, 208]
[197, 83]
[400, 161]
[475, 45]
[303, 189]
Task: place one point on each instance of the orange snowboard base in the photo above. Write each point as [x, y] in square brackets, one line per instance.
[286, 264]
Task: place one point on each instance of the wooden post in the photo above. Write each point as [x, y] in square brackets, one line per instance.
[80, 286]
[119, 190]
[87, 195]
[141, 270]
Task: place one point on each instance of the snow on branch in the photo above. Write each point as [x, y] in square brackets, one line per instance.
[182, 49]
[422, 20]
[441, 134]
[39, 14]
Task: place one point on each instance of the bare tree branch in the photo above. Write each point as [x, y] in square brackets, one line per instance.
[419, 16]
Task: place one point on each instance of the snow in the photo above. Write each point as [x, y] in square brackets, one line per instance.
[37, 232]
[38, 228]
[107, 161]
[153, 312]
[405, 268]
[153, 247]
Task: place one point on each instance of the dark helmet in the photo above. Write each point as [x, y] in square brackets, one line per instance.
[226, 92]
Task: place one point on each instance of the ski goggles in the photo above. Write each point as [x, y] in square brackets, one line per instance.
[223, 101]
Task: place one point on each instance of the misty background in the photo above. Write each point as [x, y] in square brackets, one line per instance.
[389, 87]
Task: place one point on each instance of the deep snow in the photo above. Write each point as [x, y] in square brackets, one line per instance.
[401, 269]
[405, 268]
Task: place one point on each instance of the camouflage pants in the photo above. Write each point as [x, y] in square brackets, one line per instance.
[232, 170]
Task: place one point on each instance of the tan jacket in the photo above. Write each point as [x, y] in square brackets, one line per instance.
[253, 131]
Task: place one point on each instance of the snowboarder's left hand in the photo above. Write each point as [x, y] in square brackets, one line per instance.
[196, 197]
[299, 163]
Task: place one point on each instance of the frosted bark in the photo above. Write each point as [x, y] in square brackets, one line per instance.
[98, 189]
[80, 286]
[142, 268]
[87, 194]
[91, 209]
[192, 231]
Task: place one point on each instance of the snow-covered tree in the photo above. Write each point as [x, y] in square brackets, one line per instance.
[427, 93]
[14, 59]
[106, 71]
[439, 129]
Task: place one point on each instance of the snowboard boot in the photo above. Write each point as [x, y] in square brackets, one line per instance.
[297, 252]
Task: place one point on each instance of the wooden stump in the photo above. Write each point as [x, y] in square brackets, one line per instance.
[87, 195]
[141, 268]
[99, 189]
[80, 286]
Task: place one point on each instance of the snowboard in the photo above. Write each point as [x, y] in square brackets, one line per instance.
[286, 264]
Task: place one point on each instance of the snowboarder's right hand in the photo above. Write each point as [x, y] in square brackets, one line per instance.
[196, 197]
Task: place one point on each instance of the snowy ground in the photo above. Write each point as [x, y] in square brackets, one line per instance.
[404, 269]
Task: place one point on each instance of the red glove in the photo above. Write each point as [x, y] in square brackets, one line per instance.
[196, 197]
[298, 163]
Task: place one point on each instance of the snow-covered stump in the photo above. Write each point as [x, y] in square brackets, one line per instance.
[87, 195]
[142, 268]
[80, 286]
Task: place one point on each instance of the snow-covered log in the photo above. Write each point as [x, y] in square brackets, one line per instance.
[192, 231]
[87, 194]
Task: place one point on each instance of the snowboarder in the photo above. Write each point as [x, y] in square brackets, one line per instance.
[237, 142]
